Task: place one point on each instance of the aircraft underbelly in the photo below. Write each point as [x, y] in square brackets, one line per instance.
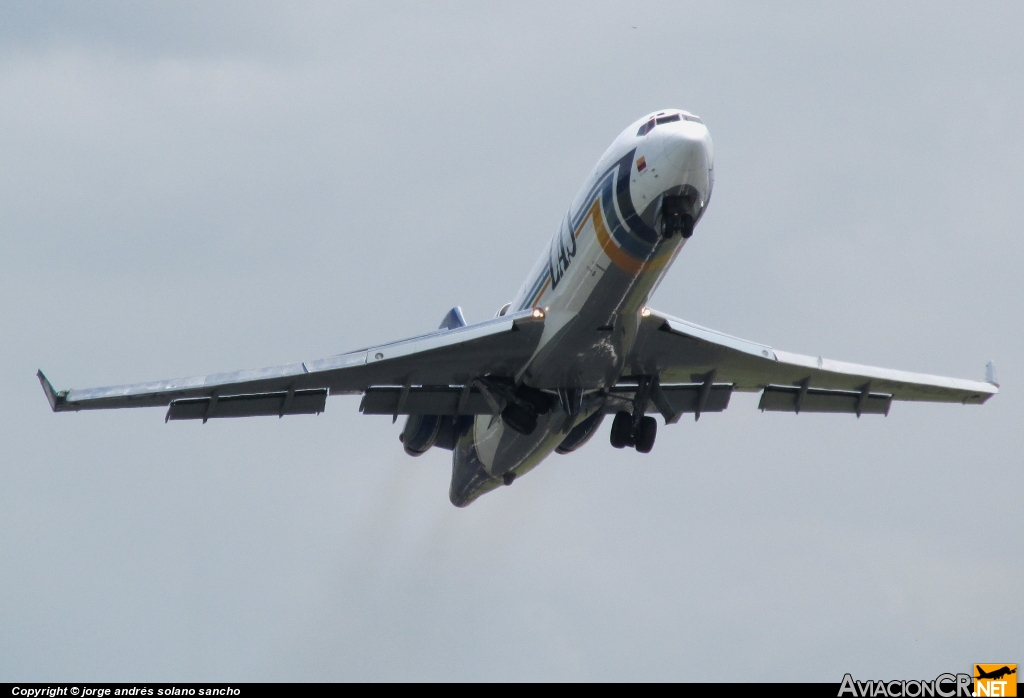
[591, 324]
[587, 351]
[489, 451]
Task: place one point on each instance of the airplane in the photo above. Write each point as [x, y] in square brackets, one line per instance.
[577, 342]
[996, 674]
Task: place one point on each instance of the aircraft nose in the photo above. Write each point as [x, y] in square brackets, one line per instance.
[688, 148]
[688, 153]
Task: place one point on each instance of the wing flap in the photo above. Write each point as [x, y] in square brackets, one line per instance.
[264, 404]
[785, 398]
[683, 399]
[441, 400]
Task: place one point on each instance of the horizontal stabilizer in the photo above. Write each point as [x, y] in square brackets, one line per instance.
[787, 398]
[441, 400]
[261, 404]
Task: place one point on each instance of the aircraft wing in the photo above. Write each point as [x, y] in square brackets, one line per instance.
[680, 352]
[451, 357]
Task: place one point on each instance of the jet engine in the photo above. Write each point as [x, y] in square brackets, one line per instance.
[425, 430]
[580, 433]
[420, 433]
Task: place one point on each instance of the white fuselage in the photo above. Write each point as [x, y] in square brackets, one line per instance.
[592, 282]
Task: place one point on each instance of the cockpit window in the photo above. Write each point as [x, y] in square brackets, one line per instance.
[646, 128]
[659, 120]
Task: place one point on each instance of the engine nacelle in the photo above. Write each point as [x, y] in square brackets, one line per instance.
[420, 433]
[425, 430]
[452, 429]
[580, 433]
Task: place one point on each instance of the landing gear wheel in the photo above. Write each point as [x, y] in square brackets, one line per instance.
[519, 419]
[646, 434]
[688, 224]
[508, 478]
[675, 217]
[622, 428]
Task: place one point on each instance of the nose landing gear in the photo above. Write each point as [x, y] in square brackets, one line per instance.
[676, 217]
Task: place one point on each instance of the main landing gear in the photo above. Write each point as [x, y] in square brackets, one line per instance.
[635, 429]
[640, 437]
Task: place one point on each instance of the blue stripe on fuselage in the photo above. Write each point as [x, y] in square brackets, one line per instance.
[629, 231]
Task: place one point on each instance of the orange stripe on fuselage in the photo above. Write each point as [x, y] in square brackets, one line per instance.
[620, 257]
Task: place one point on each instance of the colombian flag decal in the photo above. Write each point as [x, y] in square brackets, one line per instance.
[641, 164]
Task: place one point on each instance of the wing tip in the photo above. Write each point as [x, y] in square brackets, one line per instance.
[56, 400]
[990, 374]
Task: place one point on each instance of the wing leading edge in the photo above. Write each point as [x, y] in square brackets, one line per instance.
[694, 358]
[446, 357]
[681, 352]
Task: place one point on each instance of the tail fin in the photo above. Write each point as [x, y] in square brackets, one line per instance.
[453, 320]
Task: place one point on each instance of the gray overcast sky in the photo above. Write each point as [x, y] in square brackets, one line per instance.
[194, 187]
